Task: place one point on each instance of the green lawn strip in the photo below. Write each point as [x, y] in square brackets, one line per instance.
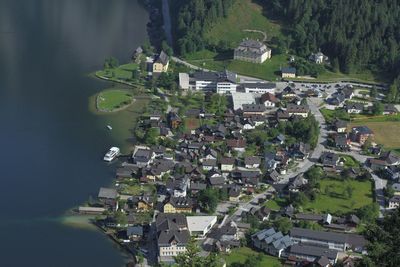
[239, 255]
[110, 100]
[335, 201]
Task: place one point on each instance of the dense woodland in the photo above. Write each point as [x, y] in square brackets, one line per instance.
[193, 17]
[355, 34]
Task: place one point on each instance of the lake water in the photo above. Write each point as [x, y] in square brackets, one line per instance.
[51, 145]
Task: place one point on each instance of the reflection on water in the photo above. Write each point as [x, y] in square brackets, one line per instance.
[51, 143]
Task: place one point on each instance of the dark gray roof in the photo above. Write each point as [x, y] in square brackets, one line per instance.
[259, 85]
[288, 70]
[362, 130]
[292, 108]
[108, 193]
[318, 235]
[252, 160]
[251, 44]
[357, 106]
[253, 108]
[181, 237]
[134, 230]
[181, 202]
[299, 249]
[227, 161]
[224, 76]
[162, 58]
[198, 186]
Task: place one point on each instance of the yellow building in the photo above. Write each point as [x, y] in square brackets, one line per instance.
[288, 72]
[178, 205]
[161, 63]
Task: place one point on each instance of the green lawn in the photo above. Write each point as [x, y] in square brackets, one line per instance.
[245, 14]
[331, 115]
[276, 203]
[110, 100]
[349, 161]
[240, 255]
[335, 200]
[122, 72]
[386, 132]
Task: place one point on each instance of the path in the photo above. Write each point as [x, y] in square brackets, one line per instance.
[167, 21]
[263, 33]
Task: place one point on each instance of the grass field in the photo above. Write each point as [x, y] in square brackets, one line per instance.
[122, 72]
[276, 203]
[192, 123]
[110, 100]
[240, 255]
[244, 15]
[386, 133]
[334, 200]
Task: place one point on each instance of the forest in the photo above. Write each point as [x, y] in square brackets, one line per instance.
[356, 35]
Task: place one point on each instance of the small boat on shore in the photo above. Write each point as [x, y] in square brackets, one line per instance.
[111, 154]
[109, 127]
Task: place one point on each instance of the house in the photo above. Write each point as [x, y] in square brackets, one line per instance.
[252, 51]
[216, 181]
[269, 100]
[238, 145]
[196, 187]
[354, 108]
[161, 63]
[253, 109]
[297, 183]
[342, 142]
[329, 159]
[318, 58]
[337, 99]
[300, 151]
[178, 205]
[199, 226]
[227, 164]
[394, 202]
[279, 139]
[317, 254]
[143, 202]
[263, 213]
[361, 134]
[234, 193]
[143, 156]
[389, 109]
[184, 81]
[288, 72]
[220, 82]
[272, 242]
[174, 120]
[282, 115]
[340, 126]
[108, 197]
[387, 159]
[288, 93]
[298, 110]
[172, 235]
[258, 87]
[178, 187]
[252, 162]
[273, 176]
[134, 233]
[209, 164]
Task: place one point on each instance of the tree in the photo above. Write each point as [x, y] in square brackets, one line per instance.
[208, 200]
[369, 213]
[374, 92]
[191, 257]
[384, 239]
[283, 224]
[377, 108]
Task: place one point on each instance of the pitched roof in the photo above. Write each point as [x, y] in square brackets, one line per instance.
[300, 249]
[162, 58]
[109, 193]
[268, 97]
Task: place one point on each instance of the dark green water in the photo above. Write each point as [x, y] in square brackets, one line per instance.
[51, 145]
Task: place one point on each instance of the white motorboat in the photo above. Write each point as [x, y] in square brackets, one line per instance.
[109, 127]
[111, 154]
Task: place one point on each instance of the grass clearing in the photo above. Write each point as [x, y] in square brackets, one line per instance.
[245, 15]
[122, 72]
[349, 161]
[239, 255]
[114, 99]
[332, 198]
[386, 133]
[276, 203]
[192, 123]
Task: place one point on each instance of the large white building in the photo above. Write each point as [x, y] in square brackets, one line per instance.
[240, 99]
[220, 82]
[252, 51]
[199, 226]
[259, 87]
